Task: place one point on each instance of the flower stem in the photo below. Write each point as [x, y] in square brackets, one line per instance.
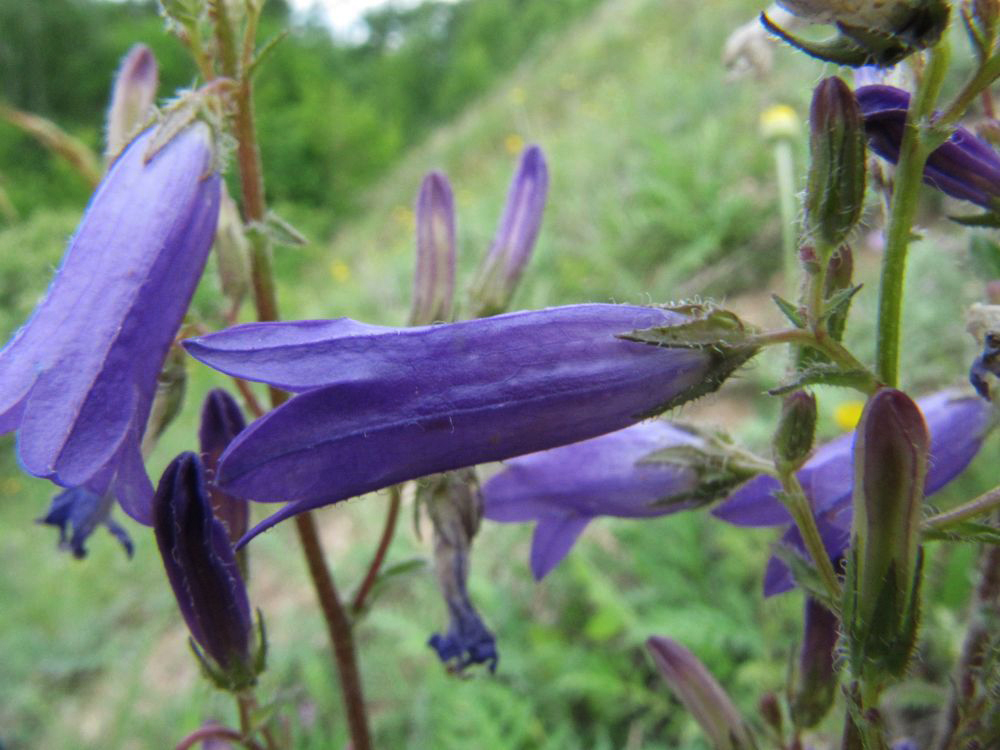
[832, 348]
[909, 171]
[265, 302]
[798, 506]
[204, 734]
[395, 497]
[341, 635]
[982, 505]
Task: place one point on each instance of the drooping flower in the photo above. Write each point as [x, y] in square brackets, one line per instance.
[456, 508]
[78, 379]
[964, 167]
[564, 489]
[77, 513]
[957, 427]
[515, 238]
[384, 405]
[202, 570]
[434, 277]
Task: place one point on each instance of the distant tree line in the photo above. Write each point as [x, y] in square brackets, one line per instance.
[333, 115]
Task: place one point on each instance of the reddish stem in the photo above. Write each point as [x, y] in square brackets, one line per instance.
[383, 547]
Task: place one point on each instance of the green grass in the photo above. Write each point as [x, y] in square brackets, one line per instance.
[660, 189]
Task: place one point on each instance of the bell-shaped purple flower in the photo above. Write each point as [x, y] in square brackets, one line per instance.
[957, 426]
[515, 238]
[565, 488]
[78, 379]
[77, 513]
[221, 422]
[203, 573]
[964, 167]
[434, 277]
[384, 405]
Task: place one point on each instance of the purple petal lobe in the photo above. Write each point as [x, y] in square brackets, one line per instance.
[553, 539]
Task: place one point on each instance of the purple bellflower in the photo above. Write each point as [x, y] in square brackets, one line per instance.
[565, 488]
[434, 277]
[77, 513]
[957, 426]
[383, 405]
[515, 238]
[964, 167]
[202, 570]
[221, 421]
[78, 379]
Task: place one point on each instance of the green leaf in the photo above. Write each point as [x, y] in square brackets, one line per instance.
[278, 231]
[988, 219]
[967, 531]
[789, 310]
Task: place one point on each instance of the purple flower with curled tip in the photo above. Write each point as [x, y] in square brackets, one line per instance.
[202, 570]
[78, 379]
[382, 405]
[964, 167]
[957, 426]
[434, 277]
[515, 238]
[221, 421]
[564, 489]
[77, 513]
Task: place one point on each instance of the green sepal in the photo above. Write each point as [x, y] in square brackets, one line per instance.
[835, 312]
[790, 311]
[710, 327]
[717, 469]
[806, 576]
[843, 49]
[826, 375]
[386, 575]
[278, 231]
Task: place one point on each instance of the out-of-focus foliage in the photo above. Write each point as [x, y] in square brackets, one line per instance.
[333, 114]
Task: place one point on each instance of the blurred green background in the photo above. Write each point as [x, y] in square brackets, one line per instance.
[661, 189]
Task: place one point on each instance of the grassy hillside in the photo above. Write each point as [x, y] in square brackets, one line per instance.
[661, 189]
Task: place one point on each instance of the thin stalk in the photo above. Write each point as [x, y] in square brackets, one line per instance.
[785, 171]
[830, 347]
[216, 733]
[388, 532]
[909, 171]
[341, 635]
[265, 302]
[985, 503]
[987, 73]
[798, 506]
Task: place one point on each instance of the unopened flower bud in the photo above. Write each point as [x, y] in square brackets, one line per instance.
[836, 188]
[202, 571]
[793, 440]
[883, 576]
[132, 98]
[434, 277]
[701, 695]
[770, 711]
[817, 679]
[516, 235]
[232, 251]
[221, 421]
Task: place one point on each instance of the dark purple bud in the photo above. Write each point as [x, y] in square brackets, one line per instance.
[384, 405]
[434, 277]
[883, 577]
[202, 570]
[221, 421]
[77, 513]
[816, 686]
[563, 489]
[769, 708]
[793, 440]
[456, 508]
[835, 193]
[78, 380]
[701, 695]
[132, 98]
[515, 239]
[964, 167]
